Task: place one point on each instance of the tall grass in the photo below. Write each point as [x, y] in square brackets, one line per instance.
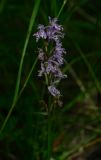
[67, 131]
[31, 23]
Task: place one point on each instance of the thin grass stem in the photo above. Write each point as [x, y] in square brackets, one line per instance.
[64, 2]
[21, 91]
[32, 20]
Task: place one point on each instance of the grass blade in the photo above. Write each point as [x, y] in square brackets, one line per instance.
[32, 20]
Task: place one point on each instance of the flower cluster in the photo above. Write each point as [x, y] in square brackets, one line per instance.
[51, 57]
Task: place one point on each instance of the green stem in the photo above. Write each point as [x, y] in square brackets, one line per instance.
[13, 105]
[34, 13]
[46, 79]
[49, 135]
[64, 2]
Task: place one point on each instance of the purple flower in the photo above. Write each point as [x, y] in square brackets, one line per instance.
[42, 71]
[41, 33]
[41, 54]
[50, 68]
[52, 31]
[51, 60]
[60, 75]
[58, 53]
[55, 92]
[54, 24]
[59, 48]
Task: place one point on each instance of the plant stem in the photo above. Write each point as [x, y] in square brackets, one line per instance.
[64, 2]
[32, 20]
[49, 128]
[49, 135]
[14, 103]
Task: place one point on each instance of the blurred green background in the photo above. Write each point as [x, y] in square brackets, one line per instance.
[77, 124]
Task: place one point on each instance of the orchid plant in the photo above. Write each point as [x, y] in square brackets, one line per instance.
[51, 59]
[51, 56]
